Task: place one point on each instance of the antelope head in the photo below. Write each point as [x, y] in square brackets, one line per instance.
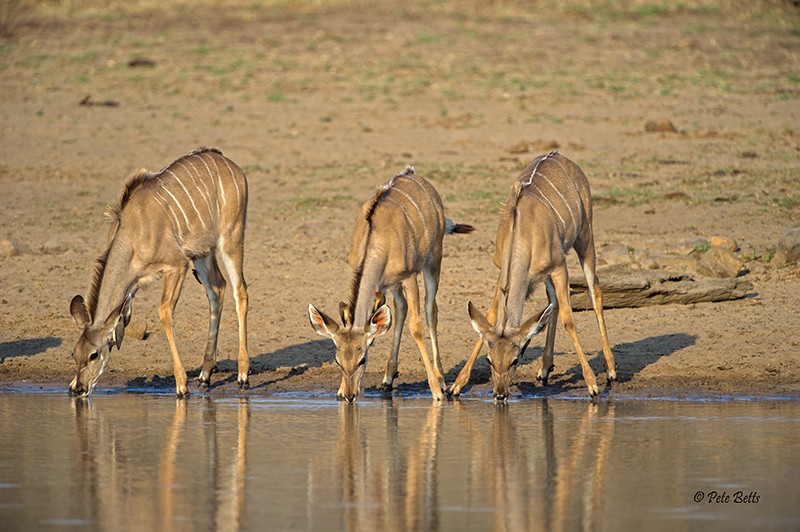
[352, 343]
[93, 349]
[506, 345]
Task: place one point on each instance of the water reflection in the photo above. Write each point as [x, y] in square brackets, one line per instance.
[130, 462]
[115, 475]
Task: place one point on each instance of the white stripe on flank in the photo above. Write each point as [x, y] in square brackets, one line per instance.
[210, 176]
[410, 223]
[220, 190]
[547, 202]
[233, 178]
[563, 199]
[425, 190]
[575, 186]
[186, 218]
[206, 196]
[168, 207]
[414, 203]
[191, 200]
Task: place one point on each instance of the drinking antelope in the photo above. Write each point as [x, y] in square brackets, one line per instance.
[398, 234]
[548, 211]
[186, 213]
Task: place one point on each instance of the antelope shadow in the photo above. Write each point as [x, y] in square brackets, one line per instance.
[27, 347]
[631, 358]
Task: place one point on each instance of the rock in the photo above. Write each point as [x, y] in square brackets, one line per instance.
[690, 246]
[137, 330]
[662, 125]
[613, 254]
[645, 259]
[54, 246]
[788, 247]
[719, 262]
[724, 242]
[8, 248]
[623, 287]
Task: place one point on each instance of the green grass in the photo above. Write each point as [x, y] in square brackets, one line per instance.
[788, 202]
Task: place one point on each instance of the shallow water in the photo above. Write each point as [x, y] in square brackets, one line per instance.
[149, 462]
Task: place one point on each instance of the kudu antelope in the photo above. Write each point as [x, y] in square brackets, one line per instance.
[398, 234]
[548, 211]
[187, 213]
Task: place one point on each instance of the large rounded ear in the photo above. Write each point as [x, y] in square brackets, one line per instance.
[479, 321]
[379, 322]
[321, 323]
[78, 311]
[534, 325]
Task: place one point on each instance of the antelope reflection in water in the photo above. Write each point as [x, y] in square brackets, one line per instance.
[386, 483]
[530, 483]
[119, 476]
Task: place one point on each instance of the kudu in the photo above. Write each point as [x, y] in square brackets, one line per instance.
[398, 234]
[548, 211]
[187, 213]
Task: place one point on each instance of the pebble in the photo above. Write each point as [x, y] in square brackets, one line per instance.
[8, 248]
[137, 330]
[788, 247]
[662, 125]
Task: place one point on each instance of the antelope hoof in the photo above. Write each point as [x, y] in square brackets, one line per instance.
[244, 382]
[594, 393]
[454, 390]
[612, 377]
[543, 376]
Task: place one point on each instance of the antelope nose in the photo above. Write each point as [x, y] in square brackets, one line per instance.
[350, 398]
[500, 397]
[77, 390]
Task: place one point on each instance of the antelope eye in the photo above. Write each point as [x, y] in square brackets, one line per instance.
[490, 344]
[93, 356]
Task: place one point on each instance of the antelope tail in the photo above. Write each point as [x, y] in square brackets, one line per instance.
[453, 228]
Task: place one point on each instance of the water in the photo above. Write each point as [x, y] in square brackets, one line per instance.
[149, 462]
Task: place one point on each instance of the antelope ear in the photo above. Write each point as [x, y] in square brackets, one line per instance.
[344, 314]
[380, 300]
[126, 309]
[321, 323]
[479, 321]
[380, 322]
[78, 311]
[534, 325]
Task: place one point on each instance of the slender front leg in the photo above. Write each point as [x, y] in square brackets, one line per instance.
[436, 383]
[466, 371]
[173, 283]
[547, 356]
[400, 311]
[561, 284]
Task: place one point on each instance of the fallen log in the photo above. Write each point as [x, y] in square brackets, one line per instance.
[624, 287]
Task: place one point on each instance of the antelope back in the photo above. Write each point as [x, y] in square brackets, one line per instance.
[550, 198]
[201, 195]
[404, 220]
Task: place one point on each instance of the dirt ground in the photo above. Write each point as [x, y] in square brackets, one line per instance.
[320, 102]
